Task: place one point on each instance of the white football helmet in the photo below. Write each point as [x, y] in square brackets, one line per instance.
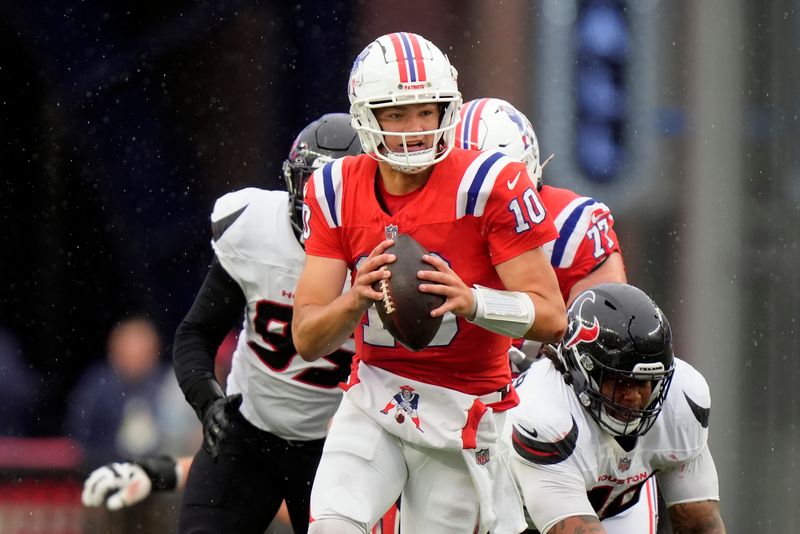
[494, 124]
[397, 69]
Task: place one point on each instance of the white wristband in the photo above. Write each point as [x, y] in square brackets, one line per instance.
[510, 313]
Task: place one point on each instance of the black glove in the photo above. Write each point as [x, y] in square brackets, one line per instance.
[161, 470]
[216, 421]
[214, 410]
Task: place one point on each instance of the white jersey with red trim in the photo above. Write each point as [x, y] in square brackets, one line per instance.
[283, 394]
[566, 465]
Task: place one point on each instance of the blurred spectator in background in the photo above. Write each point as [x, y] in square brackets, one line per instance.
[18, 389]
[126, 405]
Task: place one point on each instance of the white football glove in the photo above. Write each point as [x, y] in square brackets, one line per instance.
[119, 485]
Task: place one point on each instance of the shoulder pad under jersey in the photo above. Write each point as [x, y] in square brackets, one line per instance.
[544, 430]
[252, 226]
[689, 396]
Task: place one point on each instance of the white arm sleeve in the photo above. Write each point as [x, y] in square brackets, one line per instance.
[551, 493]
[694, 480]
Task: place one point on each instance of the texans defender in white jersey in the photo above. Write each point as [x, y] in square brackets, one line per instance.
[607, 410]
[263, 440]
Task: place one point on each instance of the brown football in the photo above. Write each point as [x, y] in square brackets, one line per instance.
[405, 310]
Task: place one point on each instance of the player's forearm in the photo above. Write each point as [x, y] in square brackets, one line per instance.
[319, 330]
[696, 518]
[550, 322]
[583, 524]
[518, 314]
[216, 309]
[531, 276]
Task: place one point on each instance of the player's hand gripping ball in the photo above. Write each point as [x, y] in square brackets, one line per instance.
[405, 310]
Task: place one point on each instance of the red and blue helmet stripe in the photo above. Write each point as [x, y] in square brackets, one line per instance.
[468, 129]
[410, 63]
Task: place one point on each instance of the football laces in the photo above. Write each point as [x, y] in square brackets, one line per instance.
[387, 298]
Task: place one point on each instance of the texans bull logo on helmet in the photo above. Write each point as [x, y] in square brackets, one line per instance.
[583, 333]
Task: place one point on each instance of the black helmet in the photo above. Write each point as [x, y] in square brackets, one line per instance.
[616, 332]
[323, 140]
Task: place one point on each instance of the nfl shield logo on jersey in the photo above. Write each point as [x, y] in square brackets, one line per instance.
[391, 231]
[482, 457]
[624, 463]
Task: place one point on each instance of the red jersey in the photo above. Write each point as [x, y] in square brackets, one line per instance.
[478, 209]
[586, 235]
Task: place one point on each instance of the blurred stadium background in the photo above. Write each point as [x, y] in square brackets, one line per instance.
[123, 121]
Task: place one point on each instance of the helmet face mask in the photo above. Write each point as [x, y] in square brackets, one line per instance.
[323, 140]
[396, 70]
[618, 339]
[494, 124]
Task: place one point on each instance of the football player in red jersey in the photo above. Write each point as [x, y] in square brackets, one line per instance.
[480, 216]
[587, 251]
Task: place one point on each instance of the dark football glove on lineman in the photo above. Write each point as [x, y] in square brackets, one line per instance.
[122, 484]
[216, 421]
[215, 411]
